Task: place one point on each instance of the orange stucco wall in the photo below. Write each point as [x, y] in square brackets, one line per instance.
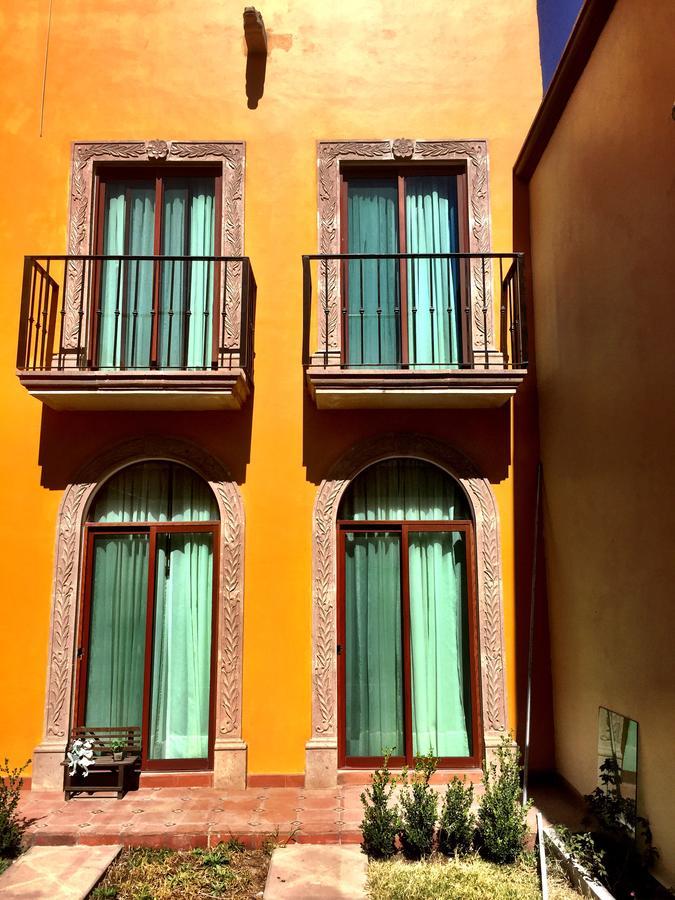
[602, 223]
[122, 71]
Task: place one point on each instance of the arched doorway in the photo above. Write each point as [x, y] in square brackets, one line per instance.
[322, 751]
[146, 649]
[61, 704]
[407, 648]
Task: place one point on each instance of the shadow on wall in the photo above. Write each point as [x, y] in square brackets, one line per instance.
[71, 440]
[483, 436]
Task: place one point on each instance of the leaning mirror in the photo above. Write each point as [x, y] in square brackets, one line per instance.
[617, 762]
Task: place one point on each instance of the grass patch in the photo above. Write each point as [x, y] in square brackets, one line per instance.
[5, 863]
[470, 878]
[227, 871]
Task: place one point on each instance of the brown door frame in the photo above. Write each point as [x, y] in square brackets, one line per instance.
[344, 527]
[91, 531]
[102, 176]
[397, 172]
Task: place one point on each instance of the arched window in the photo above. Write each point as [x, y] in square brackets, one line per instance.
[407, 658]
[148, 612]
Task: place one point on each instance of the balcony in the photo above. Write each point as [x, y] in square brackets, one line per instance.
[137, 332]
[413, 330]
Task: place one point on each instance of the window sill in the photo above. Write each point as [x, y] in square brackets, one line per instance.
[147, 390]
[334, 388]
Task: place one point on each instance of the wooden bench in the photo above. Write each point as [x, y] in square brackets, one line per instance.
[105, 773]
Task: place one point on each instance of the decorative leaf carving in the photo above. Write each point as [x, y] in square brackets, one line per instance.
[331, 154]
[229, 154]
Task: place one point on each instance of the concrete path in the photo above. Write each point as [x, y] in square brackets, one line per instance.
[315, 872]
[56, 873]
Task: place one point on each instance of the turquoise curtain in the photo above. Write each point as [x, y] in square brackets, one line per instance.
[186, 323]
[441, 702]
[125, 323]
[154, 492]
[404, 489]
[373, 658]
[434, 330]
[117, 631]
[181, 665]
[373, 296]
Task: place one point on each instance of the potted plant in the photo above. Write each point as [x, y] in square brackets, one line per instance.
[117, 747]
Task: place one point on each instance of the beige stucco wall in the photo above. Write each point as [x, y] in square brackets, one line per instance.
[603, 250]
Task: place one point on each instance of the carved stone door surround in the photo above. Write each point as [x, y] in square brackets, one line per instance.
[229, 748]
[321, 749]
[331, 155]
[230, 156]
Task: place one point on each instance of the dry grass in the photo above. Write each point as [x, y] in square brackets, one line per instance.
[462, 879]
[226, 872]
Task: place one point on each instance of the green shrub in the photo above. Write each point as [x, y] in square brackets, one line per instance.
[582, 849]
[418, 809]
[457, 823]
[501, 815]
[380, 823]
[12, 826]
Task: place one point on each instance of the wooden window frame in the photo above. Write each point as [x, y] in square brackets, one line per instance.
[103, 175]
[152, 529]
[399, 172]
[347, 526]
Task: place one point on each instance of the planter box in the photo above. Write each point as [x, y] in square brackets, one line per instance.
[577, 875]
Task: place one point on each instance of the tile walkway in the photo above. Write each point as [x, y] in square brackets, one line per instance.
[302, 871]
[180, 818]
[56, 873]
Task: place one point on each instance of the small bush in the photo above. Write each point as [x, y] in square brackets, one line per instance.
[457, 823]
[583, 851]
[501, 814]
[12, 826]
[380, 823]
[419, 804]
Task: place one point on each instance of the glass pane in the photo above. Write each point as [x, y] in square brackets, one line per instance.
[186, 324]
[434, 329]
[404, 489]
[439, 638]
[155, 492]
[373, 659]
[181, 663]
[373, 304]
[125, 323]
[117, 631]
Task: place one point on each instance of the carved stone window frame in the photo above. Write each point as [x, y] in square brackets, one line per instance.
[86, 156]
[331, 155]
[321, 763]
[229, 766]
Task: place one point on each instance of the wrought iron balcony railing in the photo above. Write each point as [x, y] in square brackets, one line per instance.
[414, 311]
[137, 314]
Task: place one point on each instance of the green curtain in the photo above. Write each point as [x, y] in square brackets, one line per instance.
[117, 631]
[373, 295]
[404, 489]
[434, 330]
[186, 323]
[154, 492]
[441, 701]
[181, 665]
[373, 660]
[125, 322]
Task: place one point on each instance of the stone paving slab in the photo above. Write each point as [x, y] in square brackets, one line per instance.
[313, 872]
[56, 873]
